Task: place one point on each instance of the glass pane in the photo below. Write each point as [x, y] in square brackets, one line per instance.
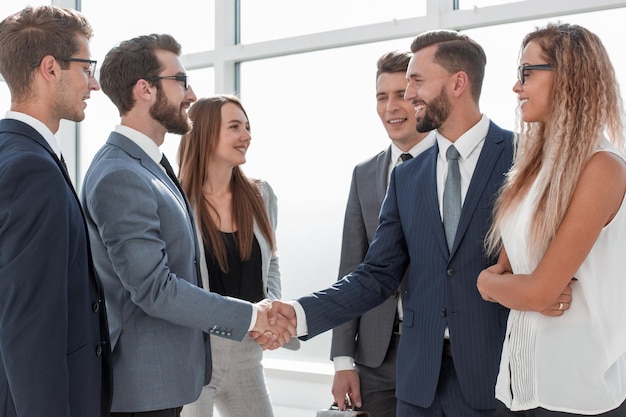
[471, 4]
[116, 20]
[313, 118]
[502, 45]
[102, 116]
[275, 19]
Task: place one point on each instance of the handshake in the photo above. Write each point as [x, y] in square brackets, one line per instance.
[275, 324]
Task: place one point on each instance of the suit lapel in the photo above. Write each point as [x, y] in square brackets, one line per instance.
[31, 133]
[135, 152]
[432, 200]
[382, 169]
[486, 162]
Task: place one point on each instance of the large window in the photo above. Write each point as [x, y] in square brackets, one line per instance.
[305, 72]
[274, 19]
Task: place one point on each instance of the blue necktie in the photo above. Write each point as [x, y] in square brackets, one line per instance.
[452, 196]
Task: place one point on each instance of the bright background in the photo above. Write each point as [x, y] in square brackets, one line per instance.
[306, 74]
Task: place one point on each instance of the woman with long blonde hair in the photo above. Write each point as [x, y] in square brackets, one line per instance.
[236, 218]
[560, 228]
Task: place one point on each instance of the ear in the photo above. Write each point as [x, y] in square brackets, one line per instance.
[461, 83]
[48, 68]
[143, 91]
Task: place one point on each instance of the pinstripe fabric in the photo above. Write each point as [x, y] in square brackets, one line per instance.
[441, 287]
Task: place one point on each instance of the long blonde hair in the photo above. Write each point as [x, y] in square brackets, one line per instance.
[585, 106]
[194, 152]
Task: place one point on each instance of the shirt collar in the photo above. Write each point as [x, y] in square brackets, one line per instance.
[41, 128]
[144, 142]
[420, 147]
[468, 141]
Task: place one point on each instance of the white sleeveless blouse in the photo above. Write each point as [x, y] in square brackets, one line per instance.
[574, 363]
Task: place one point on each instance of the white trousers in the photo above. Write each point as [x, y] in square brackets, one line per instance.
[237, 387]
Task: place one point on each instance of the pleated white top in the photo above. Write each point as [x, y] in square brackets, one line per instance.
[575, 363]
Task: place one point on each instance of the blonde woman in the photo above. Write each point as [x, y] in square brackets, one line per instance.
[560, 215]
[237, 218]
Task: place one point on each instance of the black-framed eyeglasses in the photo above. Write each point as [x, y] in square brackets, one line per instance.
[92, 64]
[521, 70]
[183, 78]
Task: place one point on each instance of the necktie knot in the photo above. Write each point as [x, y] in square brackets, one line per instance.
[452, 153]
[405, 157]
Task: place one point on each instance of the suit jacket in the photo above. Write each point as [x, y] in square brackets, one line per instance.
[146, 252]
[441, 284]
[54, 344]
[367, 338]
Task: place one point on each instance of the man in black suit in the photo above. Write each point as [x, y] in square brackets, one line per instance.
[54, 343]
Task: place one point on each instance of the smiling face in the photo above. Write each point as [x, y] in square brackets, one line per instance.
[172, 100]
[74, 86]
[396, 113]
[427, 90]
[535, 94]
[234, 138]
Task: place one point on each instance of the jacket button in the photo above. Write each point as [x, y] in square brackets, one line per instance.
[99, 351]
[444, 312]
[450, 272]
[95, 307]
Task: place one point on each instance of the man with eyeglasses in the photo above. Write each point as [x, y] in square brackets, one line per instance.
[54, 340]
[145, 243]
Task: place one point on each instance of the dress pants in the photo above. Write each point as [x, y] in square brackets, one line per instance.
[378, 385]
[449, 400]
[237, 387]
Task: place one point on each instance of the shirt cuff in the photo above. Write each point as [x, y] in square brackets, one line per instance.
[253, 318]
[343, 363]
[301, 326]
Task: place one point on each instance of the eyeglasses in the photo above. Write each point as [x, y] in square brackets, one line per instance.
[521, 70]
[180, 78]
[92, 64]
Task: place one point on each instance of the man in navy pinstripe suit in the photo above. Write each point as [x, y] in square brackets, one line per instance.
[451, 339]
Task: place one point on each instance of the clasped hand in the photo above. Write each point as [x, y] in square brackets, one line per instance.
[275, 324]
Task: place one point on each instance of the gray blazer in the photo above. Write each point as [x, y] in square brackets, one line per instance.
[145, 253]
[367, 338]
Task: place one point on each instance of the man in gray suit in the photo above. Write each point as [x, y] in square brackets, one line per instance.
[144, 241]
[364, 350]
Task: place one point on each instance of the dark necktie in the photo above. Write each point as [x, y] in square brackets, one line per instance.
[452, 196]
[170, 173]
[63, 163]
[405, 157]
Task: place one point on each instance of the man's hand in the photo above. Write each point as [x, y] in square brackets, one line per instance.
[562, 303]
[272, 328]
[347, 383]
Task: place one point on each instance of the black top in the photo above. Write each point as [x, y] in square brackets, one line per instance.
[244, 279]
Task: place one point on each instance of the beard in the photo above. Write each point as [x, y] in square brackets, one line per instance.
[173, 118]
[435, 113]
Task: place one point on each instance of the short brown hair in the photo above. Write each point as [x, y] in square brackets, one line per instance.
[456, 52]
[130, 61]
[394, 61]
[29, 35]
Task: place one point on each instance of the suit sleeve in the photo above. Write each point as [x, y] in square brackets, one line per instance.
[140, 258]
[371, 283]
[354, 245]
[34, 224]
